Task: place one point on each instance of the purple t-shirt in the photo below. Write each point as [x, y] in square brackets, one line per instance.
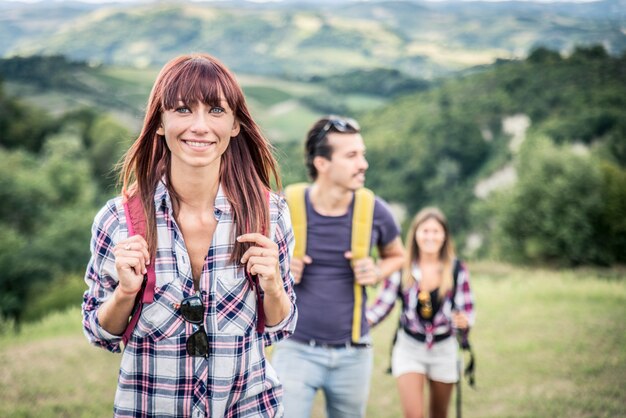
[325, 296]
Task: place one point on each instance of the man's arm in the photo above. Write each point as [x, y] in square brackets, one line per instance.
[391, 258]
[366, 272]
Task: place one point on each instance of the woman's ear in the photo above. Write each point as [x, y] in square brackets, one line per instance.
[236, 129]
[160, 130]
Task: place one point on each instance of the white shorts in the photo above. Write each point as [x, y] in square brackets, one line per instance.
[438, 364]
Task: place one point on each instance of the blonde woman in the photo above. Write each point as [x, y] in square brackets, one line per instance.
[434, 309]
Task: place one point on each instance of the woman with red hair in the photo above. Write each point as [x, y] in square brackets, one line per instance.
[201, 170]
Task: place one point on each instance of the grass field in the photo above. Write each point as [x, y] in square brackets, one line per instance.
[548, 344]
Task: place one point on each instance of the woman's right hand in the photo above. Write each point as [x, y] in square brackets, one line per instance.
[131, 258]
[459, 320]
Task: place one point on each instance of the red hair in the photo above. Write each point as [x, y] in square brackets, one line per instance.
[246, 167]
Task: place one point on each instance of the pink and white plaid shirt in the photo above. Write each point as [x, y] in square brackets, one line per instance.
[157, 377]
[442, 321]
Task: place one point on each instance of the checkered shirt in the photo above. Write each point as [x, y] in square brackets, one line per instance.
[442, 321]
[157, 377]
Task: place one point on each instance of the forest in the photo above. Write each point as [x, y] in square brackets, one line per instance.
[549, 131]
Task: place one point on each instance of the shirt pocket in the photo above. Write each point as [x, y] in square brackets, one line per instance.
[235, 303]
[161, 319]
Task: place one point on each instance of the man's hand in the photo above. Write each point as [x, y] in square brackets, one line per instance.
[366, 272]
[297, 267]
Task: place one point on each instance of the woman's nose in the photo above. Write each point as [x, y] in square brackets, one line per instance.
[200, 123]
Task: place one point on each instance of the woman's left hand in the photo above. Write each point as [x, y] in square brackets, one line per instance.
[459, 320]
[262, 259]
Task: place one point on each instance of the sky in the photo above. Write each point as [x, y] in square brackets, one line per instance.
[268, 1]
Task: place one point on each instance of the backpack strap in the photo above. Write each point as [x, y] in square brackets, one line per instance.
[136, 224]
[294, 194]
[455, 280]
[362, 219]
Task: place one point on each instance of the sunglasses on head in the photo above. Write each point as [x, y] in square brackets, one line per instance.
[192, 310]
[339, 125]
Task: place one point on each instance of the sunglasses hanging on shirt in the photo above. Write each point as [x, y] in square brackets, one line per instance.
[192, 310]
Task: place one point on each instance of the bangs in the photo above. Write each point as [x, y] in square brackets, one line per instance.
[199, 80]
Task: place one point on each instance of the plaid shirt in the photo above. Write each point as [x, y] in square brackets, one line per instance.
[441, 323]
[157, 377]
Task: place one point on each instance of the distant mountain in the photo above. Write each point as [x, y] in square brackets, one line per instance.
[302, 39]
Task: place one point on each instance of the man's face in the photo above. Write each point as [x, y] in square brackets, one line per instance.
[347, 164]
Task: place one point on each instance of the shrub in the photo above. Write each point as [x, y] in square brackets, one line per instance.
[548, 215]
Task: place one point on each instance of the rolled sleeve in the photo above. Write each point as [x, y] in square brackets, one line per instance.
[464, 297]
[98, 336]
[385, 301]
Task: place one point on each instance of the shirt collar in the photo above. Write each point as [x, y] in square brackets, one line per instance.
[162, 197]
[221, 202]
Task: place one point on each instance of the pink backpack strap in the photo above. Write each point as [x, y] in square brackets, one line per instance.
[136, 224]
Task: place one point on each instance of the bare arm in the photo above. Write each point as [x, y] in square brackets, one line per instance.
[391, 258]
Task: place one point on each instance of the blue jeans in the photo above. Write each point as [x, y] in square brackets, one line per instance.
[342, 373]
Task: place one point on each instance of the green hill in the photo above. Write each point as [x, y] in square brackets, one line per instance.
[462, 144]
[284, 107]
[293, 39]
[527, 158]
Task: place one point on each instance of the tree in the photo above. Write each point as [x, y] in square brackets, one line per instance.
[547, 216]
[47, 205]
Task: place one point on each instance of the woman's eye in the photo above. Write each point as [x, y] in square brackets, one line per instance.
[216, 109]
[182, 109]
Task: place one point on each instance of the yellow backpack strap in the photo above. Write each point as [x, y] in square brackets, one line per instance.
[294, 194]
[362, 219]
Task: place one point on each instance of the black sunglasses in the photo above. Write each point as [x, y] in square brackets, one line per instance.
[339, 125]
[192, 310]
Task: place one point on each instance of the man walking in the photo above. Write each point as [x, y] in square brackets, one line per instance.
[331, 348]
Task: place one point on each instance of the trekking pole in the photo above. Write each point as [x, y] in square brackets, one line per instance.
[459, 383]
[459, 366]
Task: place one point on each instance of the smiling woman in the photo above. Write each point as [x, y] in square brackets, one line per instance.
[200, 172]
[437, 303]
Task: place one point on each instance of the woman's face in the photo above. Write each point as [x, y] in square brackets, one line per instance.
[197, 135]
[430, 237]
